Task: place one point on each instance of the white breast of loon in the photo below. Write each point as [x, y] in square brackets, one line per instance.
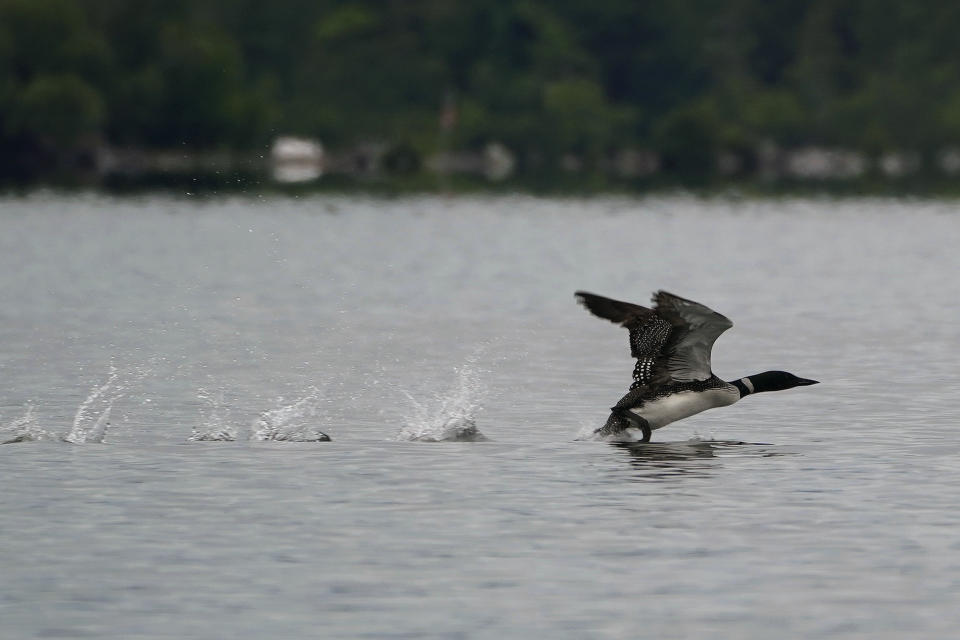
[660, 412]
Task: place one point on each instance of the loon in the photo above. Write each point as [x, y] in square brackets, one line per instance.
[672, 379]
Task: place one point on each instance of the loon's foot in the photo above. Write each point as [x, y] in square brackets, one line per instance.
[622, 419]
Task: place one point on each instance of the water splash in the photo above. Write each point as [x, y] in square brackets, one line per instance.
[290, 422]
[26, 429]
[588, 432]
[213, 425]
[450, 417]
[92, 419]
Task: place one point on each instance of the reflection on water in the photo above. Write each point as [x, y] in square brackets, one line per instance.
[667, 460]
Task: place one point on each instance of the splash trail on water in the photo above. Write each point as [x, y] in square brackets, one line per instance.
[26, 429]
[92, 419]
[449, 417]
[91, 422]
[290, 422]
[213, 426]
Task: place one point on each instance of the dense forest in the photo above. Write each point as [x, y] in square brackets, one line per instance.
[687, 80]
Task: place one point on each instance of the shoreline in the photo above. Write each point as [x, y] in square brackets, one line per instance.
[375, 169]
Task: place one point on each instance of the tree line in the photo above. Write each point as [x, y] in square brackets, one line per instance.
[687, 80]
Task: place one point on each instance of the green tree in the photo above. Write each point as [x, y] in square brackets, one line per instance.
[57, 109]
[689, 139]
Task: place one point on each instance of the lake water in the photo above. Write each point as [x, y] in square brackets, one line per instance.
[166, 361]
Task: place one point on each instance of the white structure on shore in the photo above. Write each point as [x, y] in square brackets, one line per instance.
[296, 159]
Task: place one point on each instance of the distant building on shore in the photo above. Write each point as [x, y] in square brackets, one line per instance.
[296, 159]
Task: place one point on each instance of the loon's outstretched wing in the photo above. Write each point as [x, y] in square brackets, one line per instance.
[648, 333]
[695, 328]
[671, 342]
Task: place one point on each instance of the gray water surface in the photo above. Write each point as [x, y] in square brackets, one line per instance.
[137, 329]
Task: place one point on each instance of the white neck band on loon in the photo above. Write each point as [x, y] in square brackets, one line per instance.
[744, 385]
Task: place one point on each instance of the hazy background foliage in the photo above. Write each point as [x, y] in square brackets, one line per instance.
[685, 79]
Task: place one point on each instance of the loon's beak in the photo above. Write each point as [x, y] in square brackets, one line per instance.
[802, 382]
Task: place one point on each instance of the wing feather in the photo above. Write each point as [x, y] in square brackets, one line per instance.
[671, 342]
[695, 328]
[622, 313]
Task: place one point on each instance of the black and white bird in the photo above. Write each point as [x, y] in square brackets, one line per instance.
[672, 379]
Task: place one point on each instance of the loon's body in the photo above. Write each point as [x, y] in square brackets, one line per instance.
[673, 379]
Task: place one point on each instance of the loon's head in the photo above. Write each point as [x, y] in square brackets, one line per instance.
[777, 381]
